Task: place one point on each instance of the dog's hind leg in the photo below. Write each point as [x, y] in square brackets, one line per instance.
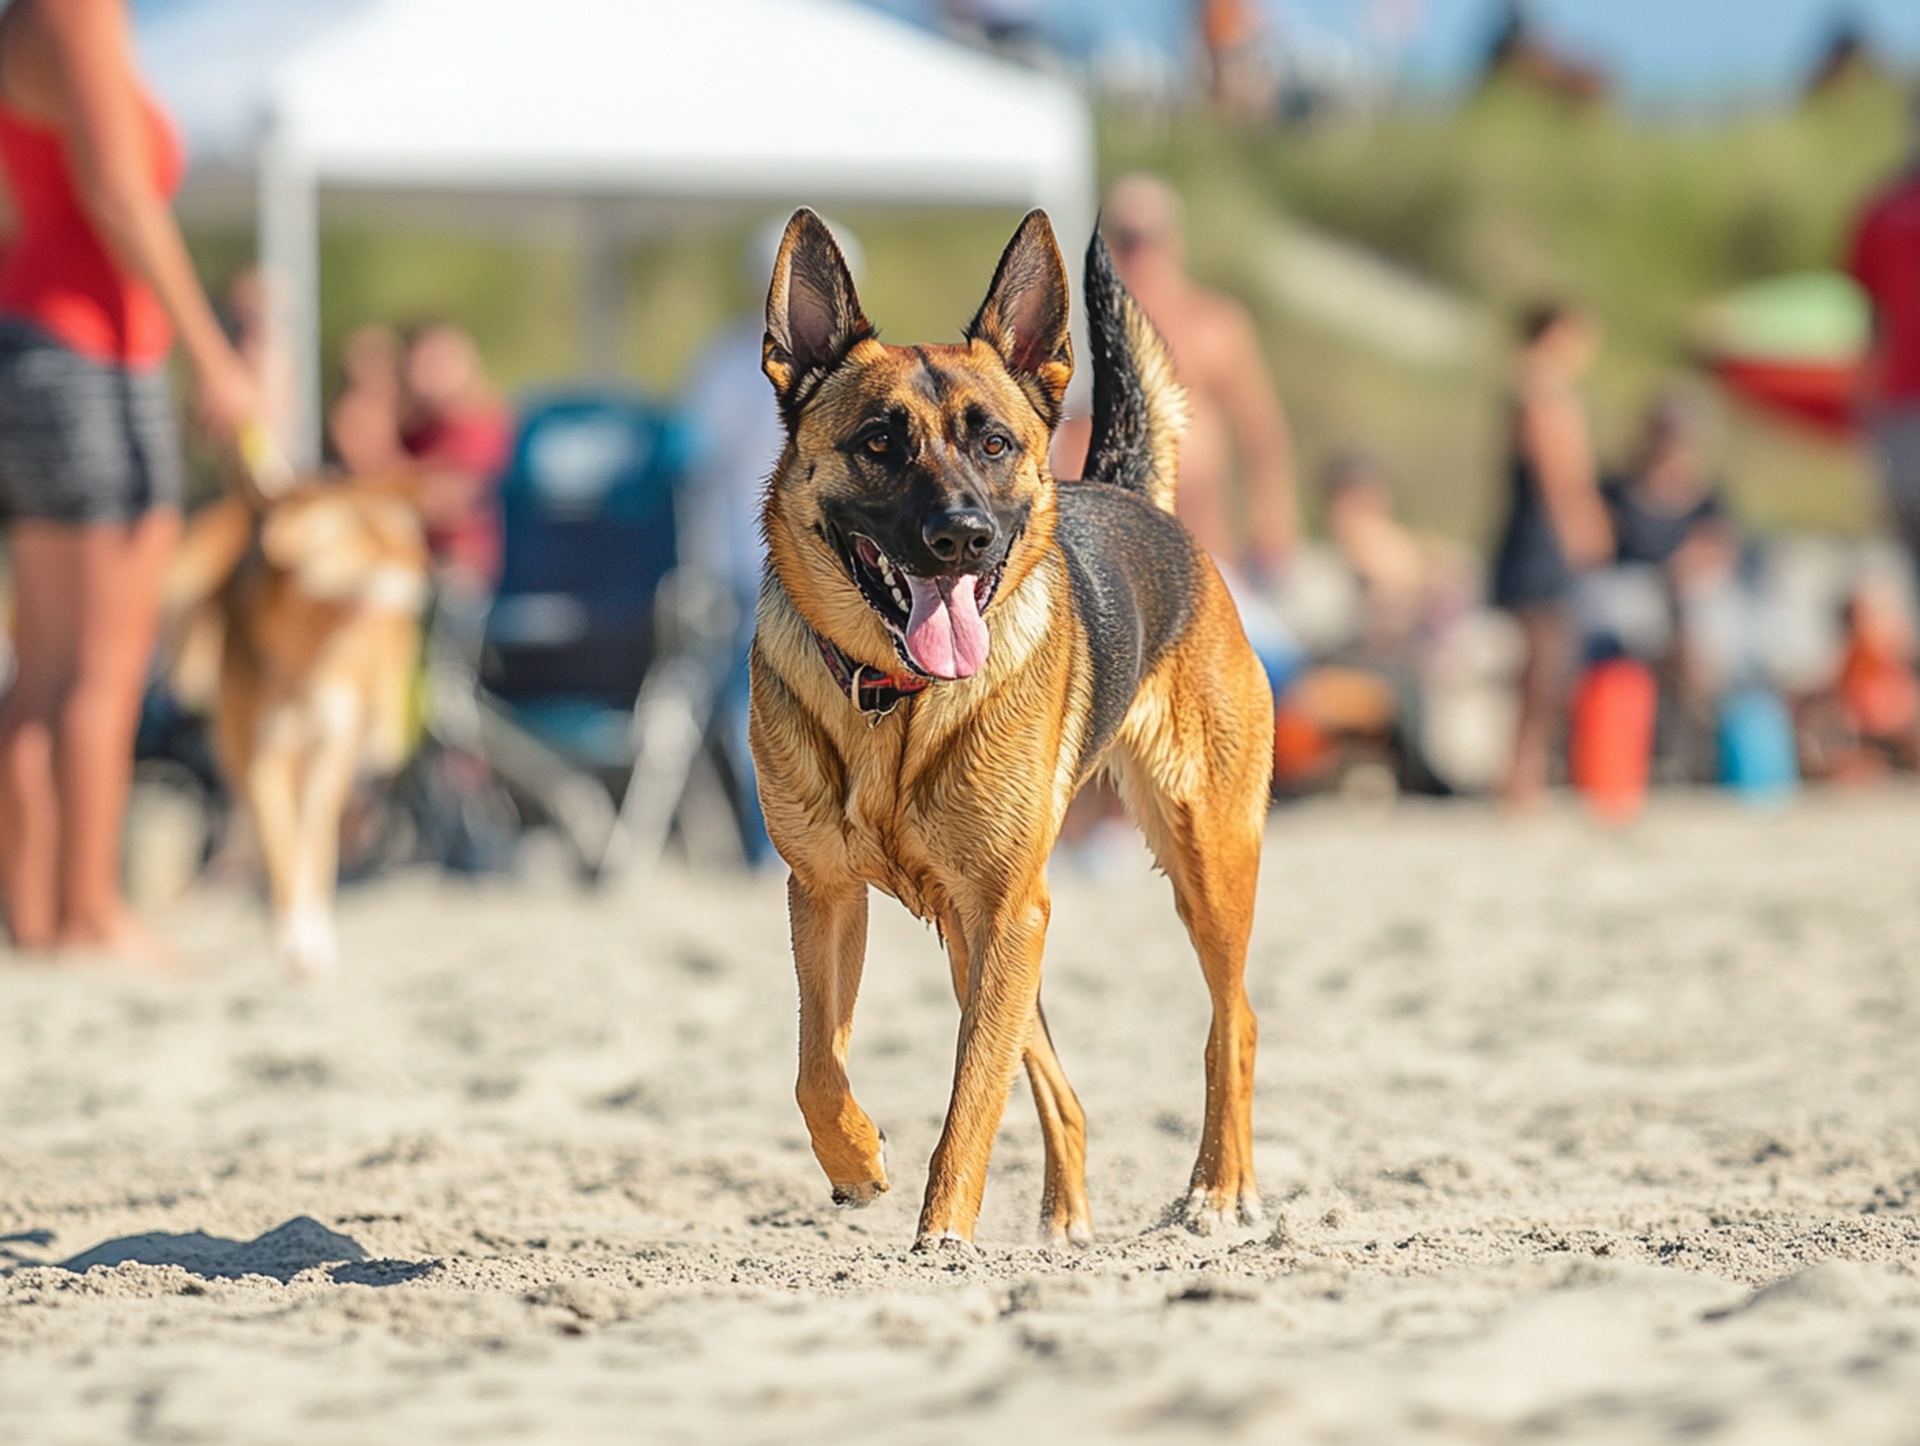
[829, 921]
[1194, 767]
[996, 1028]
[1064, 1213]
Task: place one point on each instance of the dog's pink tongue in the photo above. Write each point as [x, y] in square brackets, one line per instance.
[946, 636]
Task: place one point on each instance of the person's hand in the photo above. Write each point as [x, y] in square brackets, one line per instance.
[366, 436]
[226, 396]
[1588, 540]
[447, 495]
[1709, 554]
[1591, 551]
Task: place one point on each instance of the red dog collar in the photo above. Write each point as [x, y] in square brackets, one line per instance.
[871, 691]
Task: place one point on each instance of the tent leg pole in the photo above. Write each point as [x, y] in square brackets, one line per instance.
[289, 247]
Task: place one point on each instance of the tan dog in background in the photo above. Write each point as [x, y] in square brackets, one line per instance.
[299, 618]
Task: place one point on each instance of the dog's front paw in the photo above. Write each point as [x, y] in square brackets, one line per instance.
[858, 1195]
[305, 942]
[949, 1244]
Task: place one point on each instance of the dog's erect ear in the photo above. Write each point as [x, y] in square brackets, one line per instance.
[813, 316]
[1025, 316]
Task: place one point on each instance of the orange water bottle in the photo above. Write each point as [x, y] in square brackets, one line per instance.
[1611, 745]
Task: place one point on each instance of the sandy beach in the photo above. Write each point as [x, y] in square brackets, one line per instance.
[1564, 1136]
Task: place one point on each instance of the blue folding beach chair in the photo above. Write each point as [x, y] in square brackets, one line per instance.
[600, 659]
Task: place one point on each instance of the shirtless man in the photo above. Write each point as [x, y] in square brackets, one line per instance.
[1234, 413]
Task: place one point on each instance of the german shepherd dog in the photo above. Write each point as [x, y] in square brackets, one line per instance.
[950, 643]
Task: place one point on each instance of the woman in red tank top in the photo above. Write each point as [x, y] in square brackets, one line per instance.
[95, 287]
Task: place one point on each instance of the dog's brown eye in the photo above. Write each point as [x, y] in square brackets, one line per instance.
[994, 444]
[879, 444]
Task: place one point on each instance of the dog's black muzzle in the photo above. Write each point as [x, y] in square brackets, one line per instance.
[878, 543]
[959, 536]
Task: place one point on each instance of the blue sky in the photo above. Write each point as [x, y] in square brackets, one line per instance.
[1666, 52]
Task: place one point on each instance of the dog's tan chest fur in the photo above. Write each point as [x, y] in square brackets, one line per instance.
[910, 802]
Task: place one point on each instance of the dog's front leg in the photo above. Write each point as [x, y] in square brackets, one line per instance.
[1003, 990]
[326, 783]
[273, 797]
[829, 919]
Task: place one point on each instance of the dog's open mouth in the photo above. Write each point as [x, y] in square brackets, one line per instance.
[936, 623]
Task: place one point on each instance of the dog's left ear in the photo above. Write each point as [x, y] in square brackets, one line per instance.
[1025, 316]
[813, 316]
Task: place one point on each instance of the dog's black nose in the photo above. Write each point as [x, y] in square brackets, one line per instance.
[959, 534]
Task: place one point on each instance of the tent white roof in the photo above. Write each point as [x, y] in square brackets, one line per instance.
[626, 104]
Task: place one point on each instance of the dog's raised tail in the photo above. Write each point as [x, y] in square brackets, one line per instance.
[1139, 410]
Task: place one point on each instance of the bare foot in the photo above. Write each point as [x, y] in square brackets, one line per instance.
[1523, 800]
[122, 939]
[37, 952]
[30, 943]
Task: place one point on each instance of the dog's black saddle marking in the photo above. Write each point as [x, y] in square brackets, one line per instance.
[1131, 568]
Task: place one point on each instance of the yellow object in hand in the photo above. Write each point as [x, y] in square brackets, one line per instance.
[267, 466]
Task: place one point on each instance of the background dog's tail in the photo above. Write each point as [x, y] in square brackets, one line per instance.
[1139, 410]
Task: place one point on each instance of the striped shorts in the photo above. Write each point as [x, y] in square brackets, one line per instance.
[82, 441]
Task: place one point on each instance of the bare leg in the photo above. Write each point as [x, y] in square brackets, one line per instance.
[1543, 677]
[996, 1024]
[1065, 1216]
[47, 646]
[829, 919]
[119, 577]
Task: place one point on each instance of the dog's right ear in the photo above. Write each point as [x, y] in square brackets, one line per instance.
[813, 316]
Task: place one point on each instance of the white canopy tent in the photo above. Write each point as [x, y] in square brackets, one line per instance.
[607, 112]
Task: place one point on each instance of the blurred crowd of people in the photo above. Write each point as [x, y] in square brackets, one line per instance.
[1620, 635]
[419, 402]
[1626, 630]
